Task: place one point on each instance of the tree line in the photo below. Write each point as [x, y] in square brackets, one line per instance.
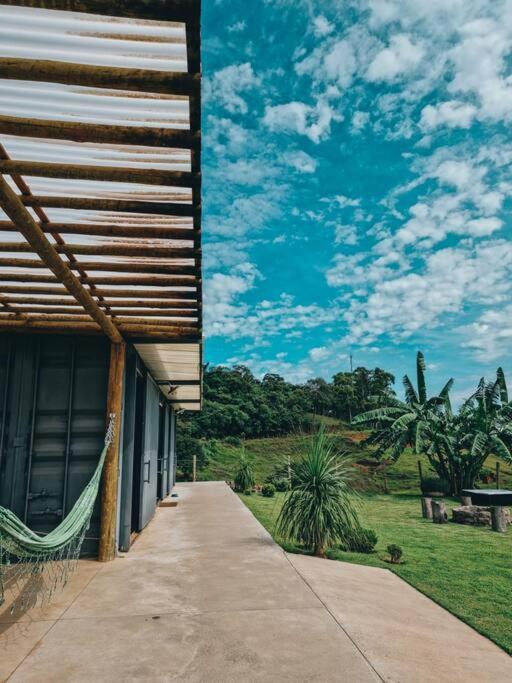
[238, 405]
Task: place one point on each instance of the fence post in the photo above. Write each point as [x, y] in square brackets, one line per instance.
[194, 466]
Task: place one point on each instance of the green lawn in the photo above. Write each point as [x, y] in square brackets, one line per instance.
[466, 569]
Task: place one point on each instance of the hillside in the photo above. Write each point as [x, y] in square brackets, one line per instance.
[265, 455]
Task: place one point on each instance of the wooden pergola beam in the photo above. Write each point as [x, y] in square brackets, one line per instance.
[122, 280]
[106, 250]
[161, 10]
[168, 304]
[120, 267]
[30, 230]
[118, 205]
[183, 298]
[120, 78]
[99, 132]
[71, 325]
[106, 230]
[147, 176]
[77, 312]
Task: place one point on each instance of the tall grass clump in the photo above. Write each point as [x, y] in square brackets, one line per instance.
[319, 511]
[244, 478]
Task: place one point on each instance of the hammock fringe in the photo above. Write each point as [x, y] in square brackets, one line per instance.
[33, 567]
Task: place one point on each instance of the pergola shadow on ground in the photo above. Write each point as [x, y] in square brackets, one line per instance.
[206, 595]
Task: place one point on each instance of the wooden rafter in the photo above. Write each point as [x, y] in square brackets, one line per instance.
[14, 208]
[99, 132]
[150, 176]
[106, 230]
[140, 80]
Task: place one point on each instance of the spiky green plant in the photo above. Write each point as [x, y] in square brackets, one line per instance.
[319, 510]
[413, 422]
[244, 478]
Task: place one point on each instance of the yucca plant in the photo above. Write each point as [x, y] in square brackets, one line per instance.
[244, 478]
[319, 510]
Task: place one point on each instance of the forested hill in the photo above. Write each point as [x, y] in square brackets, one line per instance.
[237, 404]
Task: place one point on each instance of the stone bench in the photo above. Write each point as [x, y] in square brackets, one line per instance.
[477, 515]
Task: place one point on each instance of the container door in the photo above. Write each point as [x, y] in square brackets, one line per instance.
[149, 473]
[164, 460]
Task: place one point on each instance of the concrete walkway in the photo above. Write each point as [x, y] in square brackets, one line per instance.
[205, 595]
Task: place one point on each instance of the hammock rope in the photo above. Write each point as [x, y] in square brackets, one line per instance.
[33, 567]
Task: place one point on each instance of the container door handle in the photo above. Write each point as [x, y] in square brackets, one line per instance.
[148, 465]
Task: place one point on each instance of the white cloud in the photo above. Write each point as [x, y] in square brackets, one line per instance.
[300, 161]
[331, 62]
[298, 117]
[321, 26]
[345, 234]
[403, 303]
[360, 120]
[226, 86]
[452, 114]
[237, 27]
[226, 318]
[400, 57]
[490, 336]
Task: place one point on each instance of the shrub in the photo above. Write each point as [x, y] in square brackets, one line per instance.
[248, 492]
[268, 490]
[233, 440]
[395, 553]
[360, 540]
[243, 478]
[282, 485]
[486, 475]
[319, 511]
[435, 485]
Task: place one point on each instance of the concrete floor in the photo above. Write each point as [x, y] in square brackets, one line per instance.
[205, 595]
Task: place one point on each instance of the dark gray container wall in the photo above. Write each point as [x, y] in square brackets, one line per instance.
[148, 447]
[53, 392]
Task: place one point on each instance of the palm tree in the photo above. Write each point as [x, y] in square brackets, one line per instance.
[485, 428]
[319, 510]
[399, 424]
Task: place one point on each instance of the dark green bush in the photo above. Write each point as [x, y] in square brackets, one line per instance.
[435, 485]
[395, 553]
[360, 540]
[486, 474]
[233, 440]
[268, 490]
[281, 485]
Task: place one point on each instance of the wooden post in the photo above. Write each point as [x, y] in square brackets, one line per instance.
[194, 467]
[107, 544]
[439, 514]
[426, 507]
[498, 518]
[420, 471]
[498, 475]
[466, 500]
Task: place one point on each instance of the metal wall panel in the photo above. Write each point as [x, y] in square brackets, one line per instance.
[54, 426]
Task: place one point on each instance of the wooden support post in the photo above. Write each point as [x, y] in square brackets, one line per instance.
[466, 500]
[439, 514]
[420, 472]
[107, 549]
[498, 475]
[194, 467]
[426, 507]
[498, 518]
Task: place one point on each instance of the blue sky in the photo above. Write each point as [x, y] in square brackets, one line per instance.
[357, 186]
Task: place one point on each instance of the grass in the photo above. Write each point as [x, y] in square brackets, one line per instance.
[467, 570]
